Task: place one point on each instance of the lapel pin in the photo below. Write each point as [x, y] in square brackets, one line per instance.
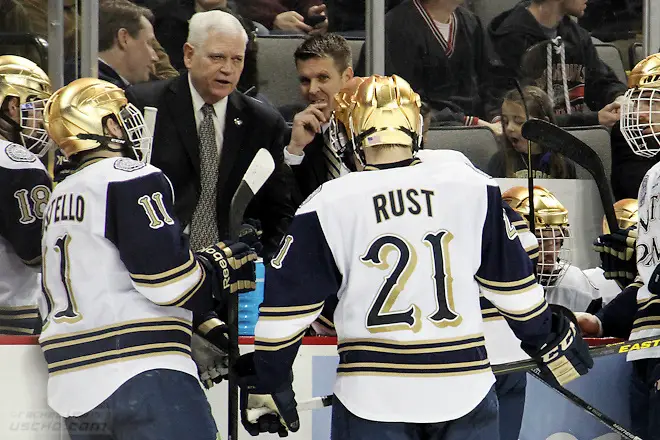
[238, 122]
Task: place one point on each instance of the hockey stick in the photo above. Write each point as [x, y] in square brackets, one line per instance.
[511, 367]
[260, 169]
[580, 403]
[562, 142]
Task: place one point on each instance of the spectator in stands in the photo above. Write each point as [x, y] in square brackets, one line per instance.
[349, 15]
[578, 74]
[511, 161]
[440, 48]
[207, 133]
[285, 15]
[324, 66]
[171, 27]
[16, 19]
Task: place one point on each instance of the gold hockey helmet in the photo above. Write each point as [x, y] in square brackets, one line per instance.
[640, 112]
[626, 211]
[380, 110]
[77, 116]
[552, 231]
[23, 79]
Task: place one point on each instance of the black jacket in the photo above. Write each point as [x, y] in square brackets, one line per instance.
[590, 81]
[106, 73]
[312, 172]
[250, 125]
[455, 82]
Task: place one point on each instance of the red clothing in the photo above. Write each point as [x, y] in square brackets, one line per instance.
[265, 11]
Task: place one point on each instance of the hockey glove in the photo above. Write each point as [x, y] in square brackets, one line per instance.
[250, 234]
[617, 255]
[265, 408]
[233, 265]
[210, 345]
[565, 356]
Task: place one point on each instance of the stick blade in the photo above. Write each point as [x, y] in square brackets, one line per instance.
[260, 169]
[560, 141]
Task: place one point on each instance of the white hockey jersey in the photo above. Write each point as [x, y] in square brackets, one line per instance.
[116, 274]
[647, 319]
[408, 272]
[605, 289]
[24, 192]
[574, 291]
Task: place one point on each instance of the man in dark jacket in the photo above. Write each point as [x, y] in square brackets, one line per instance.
[440, 48]
[578, 74]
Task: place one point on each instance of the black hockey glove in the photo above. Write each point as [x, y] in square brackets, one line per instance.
[210, 345]
[617, 255]
[263, 408]
[233, 265]
[250, 234]
[565, 356]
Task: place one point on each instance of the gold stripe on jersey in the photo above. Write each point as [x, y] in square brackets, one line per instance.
[491, 314]
[458, 356]
[291, 312]
[526, 314]
[107, 328]
[326, 321]
[186, 295]
[169, 276]
[116, 343]
[271, 344]
[410, 350]
[19, 320]
[508, 287]
[647, 303]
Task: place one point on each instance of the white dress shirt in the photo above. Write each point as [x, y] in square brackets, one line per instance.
[293, 159]
[219, 116]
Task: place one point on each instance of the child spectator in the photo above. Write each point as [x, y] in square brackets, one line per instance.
[511, 160]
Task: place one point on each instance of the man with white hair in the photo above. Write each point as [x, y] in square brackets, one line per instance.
[207, 133]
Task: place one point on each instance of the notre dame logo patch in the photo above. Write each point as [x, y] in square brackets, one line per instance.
[128, 165]
[19, 153]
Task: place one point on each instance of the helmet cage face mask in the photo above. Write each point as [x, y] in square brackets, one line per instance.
[643, 136]
[33, 132]
[139, 137]
[554, 254]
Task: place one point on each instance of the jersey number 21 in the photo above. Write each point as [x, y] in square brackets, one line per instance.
[381, 318]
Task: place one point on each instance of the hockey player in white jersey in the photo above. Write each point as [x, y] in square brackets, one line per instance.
[564, 283]
[24, 191]
[408, 273]
[120, 281]
[609, 285]
[636, 310]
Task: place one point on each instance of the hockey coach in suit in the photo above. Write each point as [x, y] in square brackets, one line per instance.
[207, 133]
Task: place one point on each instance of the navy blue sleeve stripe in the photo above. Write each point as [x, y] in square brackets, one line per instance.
[525, 315]
[167, 277]
[272, 344]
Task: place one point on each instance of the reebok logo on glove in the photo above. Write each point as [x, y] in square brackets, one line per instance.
[220, 258]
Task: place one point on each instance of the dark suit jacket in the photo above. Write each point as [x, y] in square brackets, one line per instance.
[249, 125]
[312, 172]
[106, 73]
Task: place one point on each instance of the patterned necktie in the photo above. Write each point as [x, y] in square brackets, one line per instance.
[204, 225]
[331, 159]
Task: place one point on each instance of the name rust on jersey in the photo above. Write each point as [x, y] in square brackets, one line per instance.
[67, 207]
[398, 202]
